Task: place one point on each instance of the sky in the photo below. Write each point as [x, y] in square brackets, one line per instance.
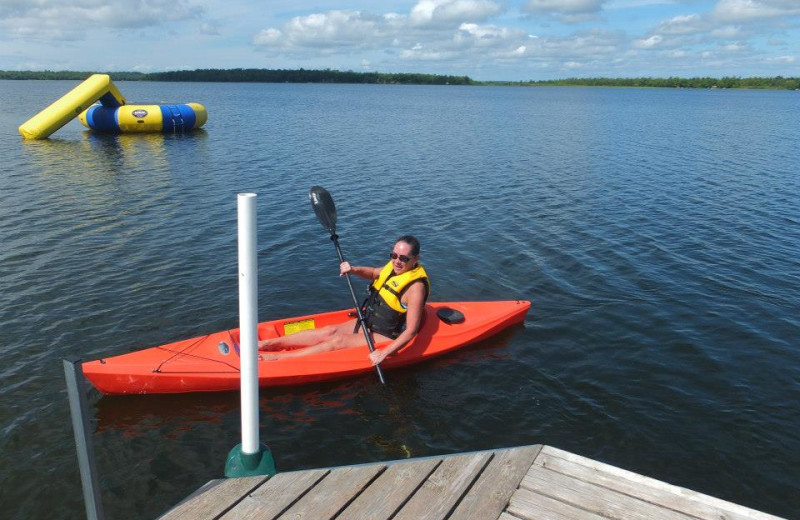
[505, 40]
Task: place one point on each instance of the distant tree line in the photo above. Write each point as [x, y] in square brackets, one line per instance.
[307, 76]
[337, 76]
[66, 74]
[257, 76]
[777, 82]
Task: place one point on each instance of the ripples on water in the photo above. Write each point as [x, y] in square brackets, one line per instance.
[655, 231]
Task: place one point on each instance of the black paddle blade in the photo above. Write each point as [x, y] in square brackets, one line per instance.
[323, 205]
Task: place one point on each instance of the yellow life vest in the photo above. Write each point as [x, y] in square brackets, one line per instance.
[390, 286]
[384, 310]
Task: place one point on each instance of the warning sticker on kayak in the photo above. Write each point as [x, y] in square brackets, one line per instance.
[293, 327]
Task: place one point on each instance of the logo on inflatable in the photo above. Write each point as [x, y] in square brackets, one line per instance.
[139, 113]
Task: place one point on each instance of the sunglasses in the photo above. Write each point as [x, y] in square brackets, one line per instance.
[403, 258]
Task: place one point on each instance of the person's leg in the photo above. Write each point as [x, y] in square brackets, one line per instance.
[306, 338]
[342, 337]
[299, 339]
[300, 351]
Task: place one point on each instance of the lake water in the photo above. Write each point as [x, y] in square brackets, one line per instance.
[656, 232]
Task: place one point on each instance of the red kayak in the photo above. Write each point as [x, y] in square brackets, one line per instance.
[211, 363]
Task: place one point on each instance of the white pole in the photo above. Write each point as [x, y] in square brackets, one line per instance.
[248, 320]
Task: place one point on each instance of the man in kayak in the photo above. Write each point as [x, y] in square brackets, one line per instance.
[393, 312]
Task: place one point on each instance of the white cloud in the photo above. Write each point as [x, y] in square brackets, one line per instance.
[684, 24]
[568, 11]
[490, 42]
[563, 6]
[54, 19]
[649, 43]
[452, 12]
[727, 32]
[733, 47]
[268, 37]
[344, 31]
[209, 29]
[738, 11]
[677, 53]
[728, 28]
[782, 59]
[422, 36]
[628, 4]
[489, 32]
[333, 28]
[333, 31]
[419, 52]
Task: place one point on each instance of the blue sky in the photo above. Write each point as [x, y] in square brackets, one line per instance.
[483, 39]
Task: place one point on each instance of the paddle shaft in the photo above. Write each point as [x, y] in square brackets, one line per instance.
[371, 346]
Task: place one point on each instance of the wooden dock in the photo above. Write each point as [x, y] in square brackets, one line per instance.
[529, 482]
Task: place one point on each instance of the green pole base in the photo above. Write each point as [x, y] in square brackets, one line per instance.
[240, 464]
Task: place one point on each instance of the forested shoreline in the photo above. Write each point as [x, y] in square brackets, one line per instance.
[335, 76]
[776, 82]
[255, 76]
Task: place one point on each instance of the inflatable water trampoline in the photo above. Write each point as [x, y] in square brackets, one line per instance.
[112, 114]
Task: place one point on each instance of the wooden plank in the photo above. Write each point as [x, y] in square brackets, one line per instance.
[213, 498]
[333, 493]
[274, 496]
[445, 487]
[645, 488]
[557, 486]
[491, 492]
[528, 505]
[595, 499]
[390, 490]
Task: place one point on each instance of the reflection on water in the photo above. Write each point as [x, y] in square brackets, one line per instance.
[134, 415]
[111, 154]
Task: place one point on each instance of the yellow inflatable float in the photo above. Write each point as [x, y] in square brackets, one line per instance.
[112, 114]
[144, 118]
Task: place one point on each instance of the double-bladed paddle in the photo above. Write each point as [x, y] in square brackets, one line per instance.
[323, 205]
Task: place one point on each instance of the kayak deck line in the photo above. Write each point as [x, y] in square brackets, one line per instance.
[526, 482]
[210, 363]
